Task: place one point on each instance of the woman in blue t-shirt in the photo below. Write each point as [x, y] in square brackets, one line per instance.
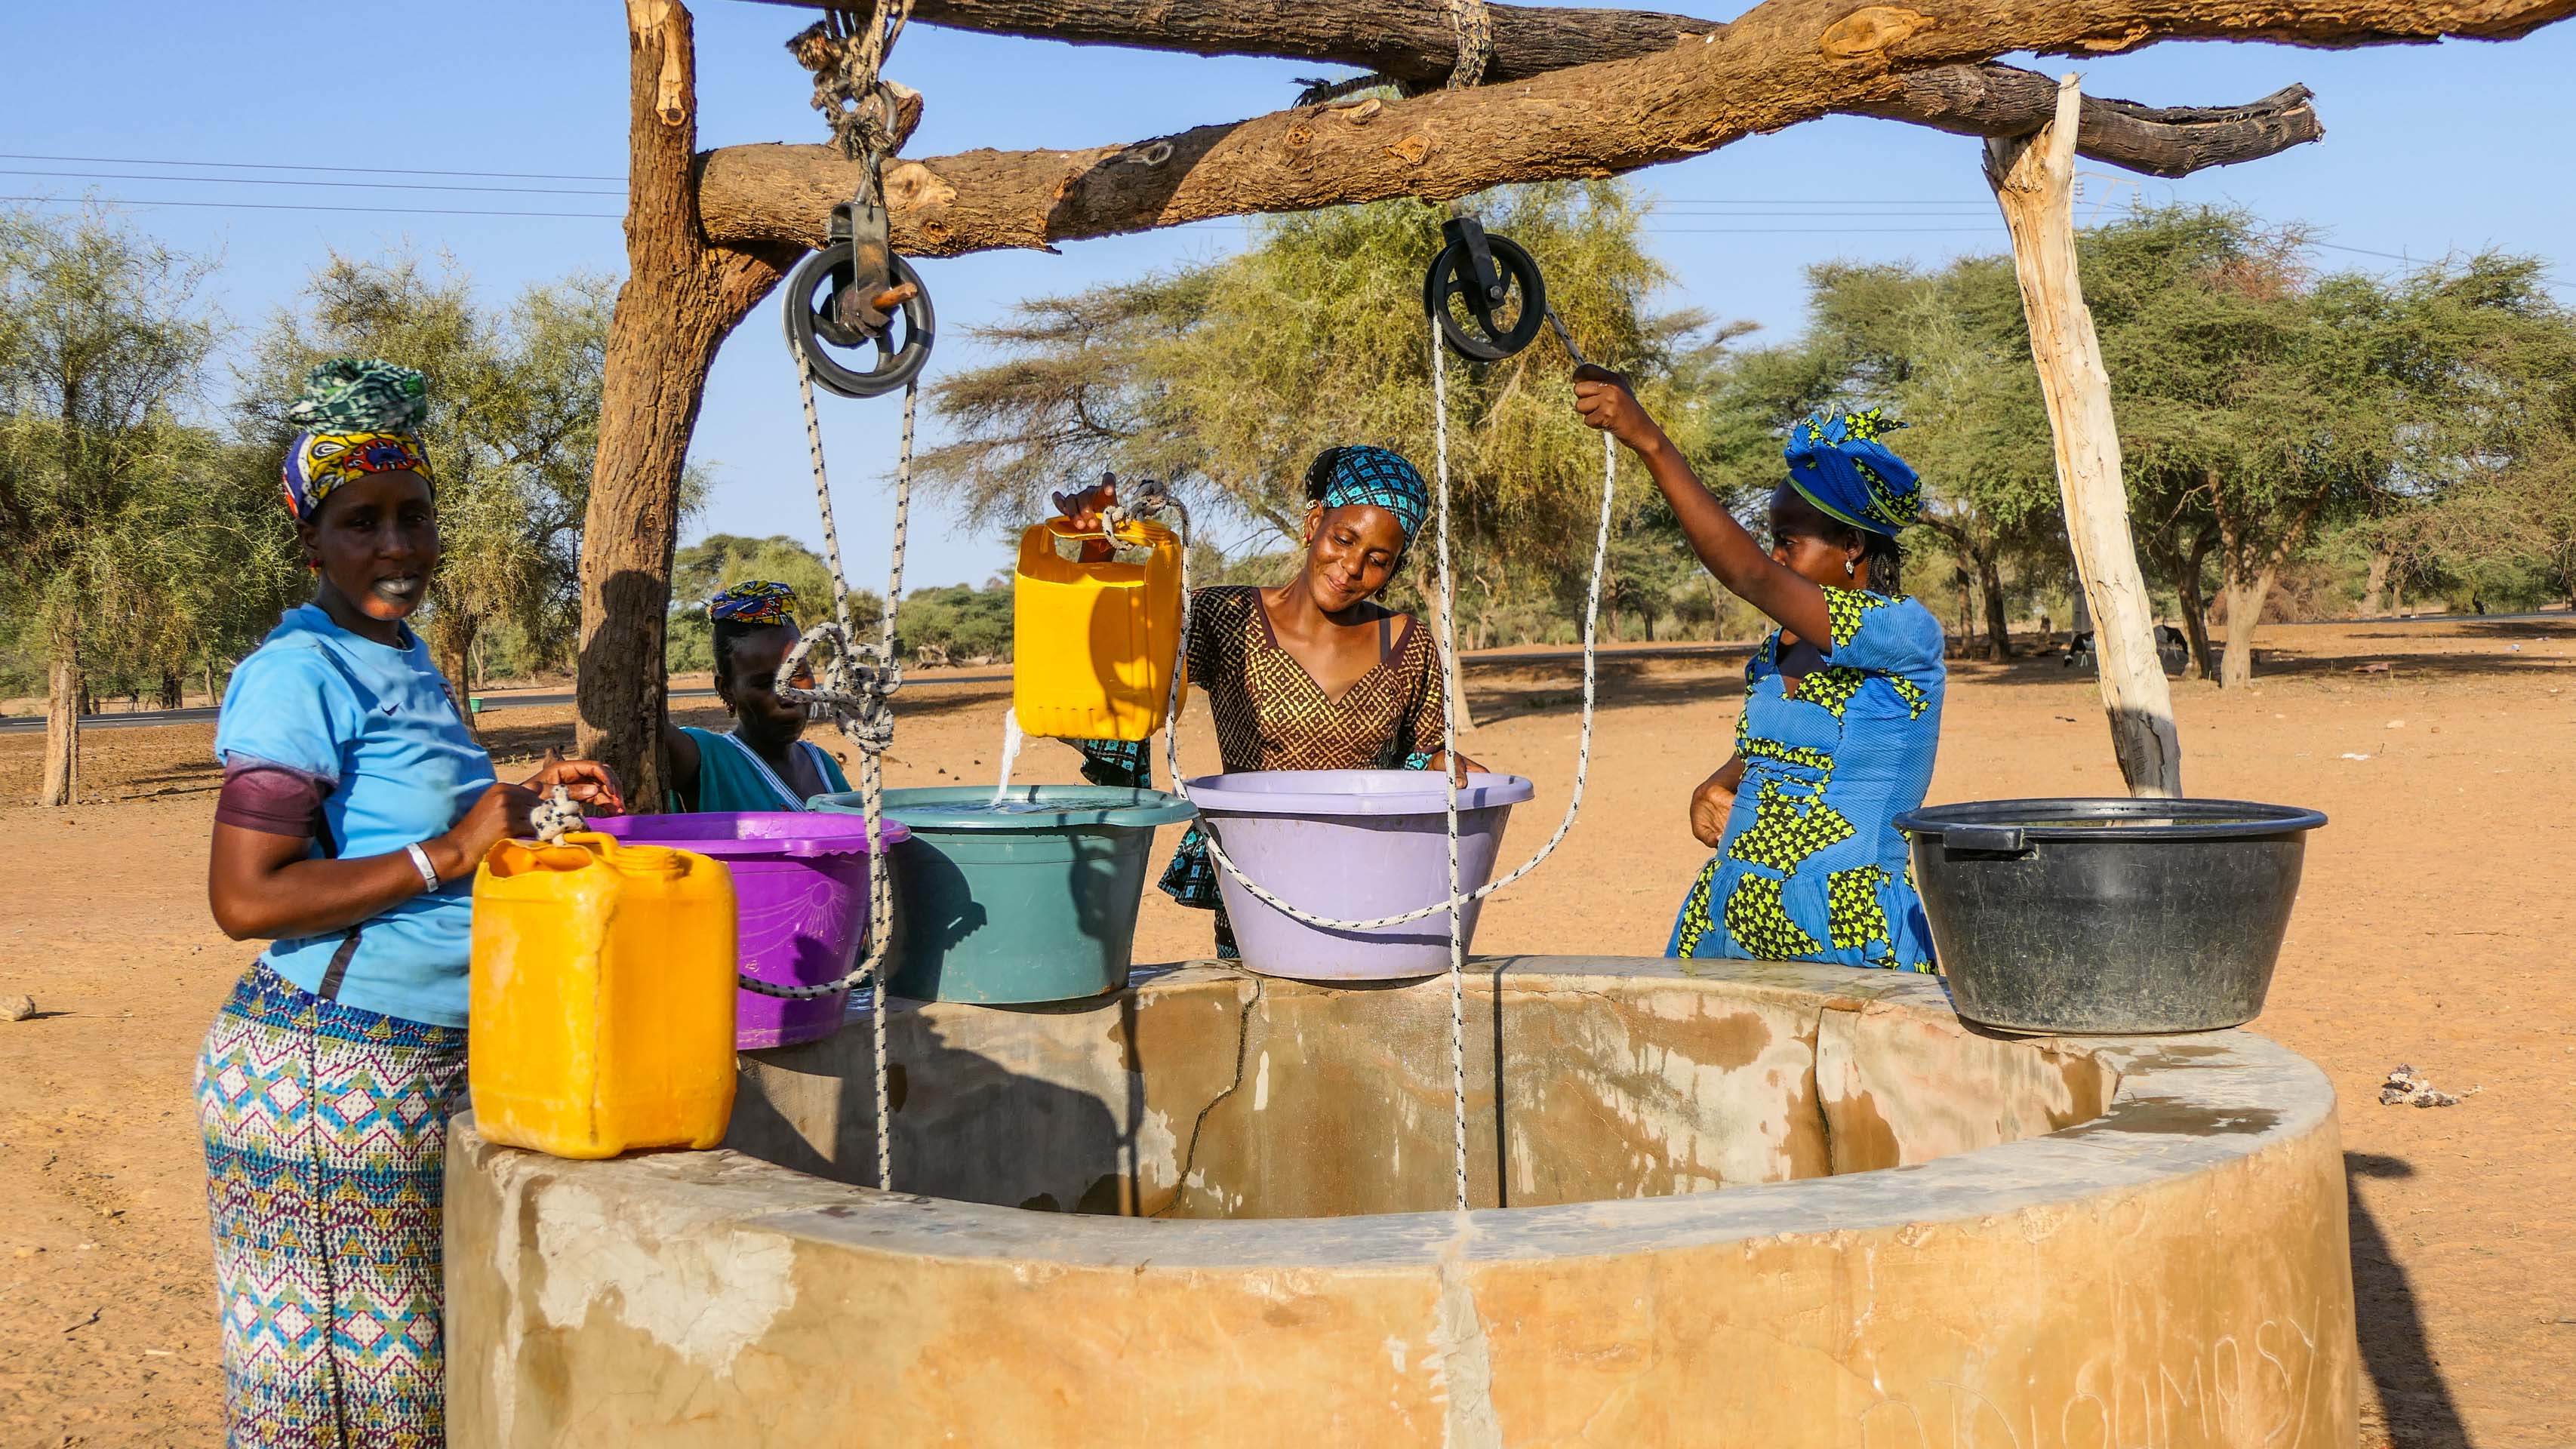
[1842, 704]
[355, 808]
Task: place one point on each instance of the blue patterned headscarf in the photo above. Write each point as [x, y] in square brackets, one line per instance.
[1340, 477]
[752, 603]
[359, 416]
[1837, 463]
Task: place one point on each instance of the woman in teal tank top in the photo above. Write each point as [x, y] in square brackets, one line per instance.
[762, 763]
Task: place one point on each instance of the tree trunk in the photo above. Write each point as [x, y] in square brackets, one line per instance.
[2380, 559]
[453, 644]
[2033, 181]
[2245, 595]
[2249, 583]
[60, 784]
[2195, 608]
[1990, 589]
[681, 297]
[212, 699]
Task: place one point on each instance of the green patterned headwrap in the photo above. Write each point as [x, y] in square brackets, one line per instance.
[361, 395]
[358, 417]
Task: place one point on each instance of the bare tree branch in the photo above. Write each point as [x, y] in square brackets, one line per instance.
[1785, 62]
[1411, 41]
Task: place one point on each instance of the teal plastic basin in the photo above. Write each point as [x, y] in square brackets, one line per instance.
[1036, 901]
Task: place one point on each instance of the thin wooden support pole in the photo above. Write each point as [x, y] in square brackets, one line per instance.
[2034, 182]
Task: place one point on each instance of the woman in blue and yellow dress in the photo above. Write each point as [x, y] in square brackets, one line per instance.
[1842, 703]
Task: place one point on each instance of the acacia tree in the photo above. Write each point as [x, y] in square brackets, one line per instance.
[512, 429]
[2488, 494]
[1226, 378]
[2261, 403]
[102, 335]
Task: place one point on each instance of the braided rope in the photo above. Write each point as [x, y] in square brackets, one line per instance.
[1454, 682]
[846, 52]
[857, 687]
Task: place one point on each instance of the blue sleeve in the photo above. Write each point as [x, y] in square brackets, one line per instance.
[1880, 635]
[288, 706]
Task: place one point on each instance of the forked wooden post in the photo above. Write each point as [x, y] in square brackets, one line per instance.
[2034, 182]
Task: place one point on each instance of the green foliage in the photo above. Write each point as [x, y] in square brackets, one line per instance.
[958, 624]
[1228, 377]
[123, 555]
[2261, 408]
[950, 625]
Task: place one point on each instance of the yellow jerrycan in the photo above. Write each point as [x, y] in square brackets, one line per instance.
[602, 997]
[1092, 643]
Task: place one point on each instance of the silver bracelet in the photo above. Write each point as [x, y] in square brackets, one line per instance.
[428, 872]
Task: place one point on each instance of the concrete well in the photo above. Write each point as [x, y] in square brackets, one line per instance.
[1215, 1209]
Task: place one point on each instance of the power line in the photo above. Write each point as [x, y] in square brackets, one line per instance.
[274, 181]
[132, 202]
[274, 166]
[1864, 215]
[1801, 201]
[2367, 252]
[1822, 230]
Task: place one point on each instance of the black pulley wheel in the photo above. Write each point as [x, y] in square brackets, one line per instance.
[1481, 334]
[831, 347]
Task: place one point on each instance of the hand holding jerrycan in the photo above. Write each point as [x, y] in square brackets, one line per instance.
[1094, 636]
[602, 997]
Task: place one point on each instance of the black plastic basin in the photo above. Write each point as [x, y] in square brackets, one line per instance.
[2111, 916]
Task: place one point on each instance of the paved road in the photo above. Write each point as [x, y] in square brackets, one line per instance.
[31, 724]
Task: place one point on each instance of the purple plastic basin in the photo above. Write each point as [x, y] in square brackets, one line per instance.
[1352, 845]
[800, 885]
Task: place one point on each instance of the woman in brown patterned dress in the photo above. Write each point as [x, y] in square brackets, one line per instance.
[1312, 674]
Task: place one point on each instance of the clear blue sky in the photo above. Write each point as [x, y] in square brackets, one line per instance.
[2429, 149]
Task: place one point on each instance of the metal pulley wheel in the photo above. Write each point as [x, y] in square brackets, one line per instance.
[854, 294]
[1500, 301]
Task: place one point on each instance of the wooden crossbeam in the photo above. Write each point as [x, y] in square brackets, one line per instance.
[1784, 62]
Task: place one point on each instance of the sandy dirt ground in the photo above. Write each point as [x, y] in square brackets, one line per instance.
[2433, 929]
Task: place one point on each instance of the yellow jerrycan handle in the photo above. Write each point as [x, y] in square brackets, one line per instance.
[1093, 643]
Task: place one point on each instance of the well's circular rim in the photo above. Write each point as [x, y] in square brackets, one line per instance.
[2183, 1106]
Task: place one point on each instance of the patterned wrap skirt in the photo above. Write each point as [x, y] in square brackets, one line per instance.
[326, 1138]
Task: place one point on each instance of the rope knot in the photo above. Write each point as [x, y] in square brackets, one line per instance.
[555, 817]
[858, 689]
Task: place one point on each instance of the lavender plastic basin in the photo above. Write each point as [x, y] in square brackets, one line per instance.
[800, 884]
[1352, 845]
